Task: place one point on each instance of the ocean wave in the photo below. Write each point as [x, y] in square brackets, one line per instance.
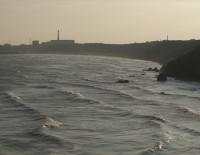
[17, 101]
[154, 123]
[20, 106]
[187, 96]
[50, 123]
[42, 136]
[154, 118]
[189, 131]
[120, 93]
[97, 81]
[47, 121]
[181, 95]
[163, 93]
[77, 94]
[102, 90]
[43, 87]
[12, 95]
[79, 97]
[148, 91]
[120, 112]
[159, 145]
[190, 112]
[115, 92]
[156, 147]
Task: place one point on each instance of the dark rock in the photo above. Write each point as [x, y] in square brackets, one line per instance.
[185, 67]
[152, 69]
[122, 81]
[149, 69]
[156, 69]
[162, 77]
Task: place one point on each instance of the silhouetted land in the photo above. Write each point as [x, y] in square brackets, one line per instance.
[159, 51]
[186, 67]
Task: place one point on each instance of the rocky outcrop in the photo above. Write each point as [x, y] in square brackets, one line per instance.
[152, 69]
[186, 67]
[162, 77]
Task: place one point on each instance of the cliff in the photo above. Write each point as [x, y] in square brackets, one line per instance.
[186, 67]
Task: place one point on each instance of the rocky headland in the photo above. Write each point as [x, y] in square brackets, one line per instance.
[186, 67]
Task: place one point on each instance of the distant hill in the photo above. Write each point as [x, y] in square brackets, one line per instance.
[159, 51]
[186, 67]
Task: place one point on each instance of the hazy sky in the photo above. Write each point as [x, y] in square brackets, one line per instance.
[107, 21]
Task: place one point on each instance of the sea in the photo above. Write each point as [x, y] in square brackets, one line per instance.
[73, 105]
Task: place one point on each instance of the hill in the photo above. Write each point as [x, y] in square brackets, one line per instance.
[159, 51]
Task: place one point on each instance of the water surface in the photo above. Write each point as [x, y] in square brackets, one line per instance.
[61, 104]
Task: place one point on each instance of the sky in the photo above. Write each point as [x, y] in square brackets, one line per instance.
[98, 21]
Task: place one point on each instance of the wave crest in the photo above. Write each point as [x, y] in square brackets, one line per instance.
[190, 111]
[50, 123]
[12, 95]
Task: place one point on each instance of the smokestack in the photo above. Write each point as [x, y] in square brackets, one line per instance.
[58, 38]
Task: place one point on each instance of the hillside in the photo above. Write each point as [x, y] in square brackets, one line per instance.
[186, 67]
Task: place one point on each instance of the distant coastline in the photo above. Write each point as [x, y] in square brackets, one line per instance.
[179, 58]
[158, 51]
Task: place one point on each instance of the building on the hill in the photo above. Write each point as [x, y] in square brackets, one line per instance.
[60, 42]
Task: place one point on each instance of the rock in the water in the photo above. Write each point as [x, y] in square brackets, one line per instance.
[162, 77]
[153, 69]
[156, 69]
[122, 81]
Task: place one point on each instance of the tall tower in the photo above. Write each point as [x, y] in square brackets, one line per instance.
[58, 37]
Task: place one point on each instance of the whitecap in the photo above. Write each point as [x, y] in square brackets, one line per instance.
[190, 111]
[77, 94]
[12, 95]
[50, 123]
[158, 145]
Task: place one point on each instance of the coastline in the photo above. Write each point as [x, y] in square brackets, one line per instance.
[171, 54]
[159, 51]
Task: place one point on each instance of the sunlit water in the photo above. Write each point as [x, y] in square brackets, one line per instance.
[60, 104]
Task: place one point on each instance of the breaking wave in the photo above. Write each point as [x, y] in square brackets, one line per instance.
[12, 95]
[79, 97]
[190, 112]
[50, 123]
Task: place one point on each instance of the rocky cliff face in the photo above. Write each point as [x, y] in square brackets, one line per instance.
[186, 67]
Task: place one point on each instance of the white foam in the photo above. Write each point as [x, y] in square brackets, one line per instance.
[13, 95]
[50, 123]
[79, 95]
[159, 145]
[190, 111]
